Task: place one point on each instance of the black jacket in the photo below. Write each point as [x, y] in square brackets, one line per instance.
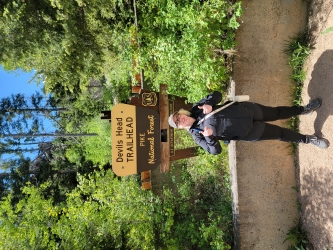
[231, 123]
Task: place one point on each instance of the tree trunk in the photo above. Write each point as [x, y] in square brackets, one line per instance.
[47, 135]
[62, 171]
[25, 150]
[31, 110]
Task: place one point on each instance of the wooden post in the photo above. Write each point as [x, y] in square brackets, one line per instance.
[184, 153]
[106, 115]
[164, 115]
[136, 89]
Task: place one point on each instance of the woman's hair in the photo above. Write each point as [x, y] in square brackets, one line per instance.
[184, 112]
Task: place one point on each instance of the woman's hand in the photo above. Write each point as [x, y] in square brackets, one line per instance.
[207, 132]
[206, 108]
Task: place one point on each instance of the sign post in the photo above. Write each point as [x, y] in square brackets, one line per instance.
[141, 136]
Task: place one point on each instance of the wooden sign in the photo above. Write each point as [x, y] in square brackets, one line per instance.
[136, 139]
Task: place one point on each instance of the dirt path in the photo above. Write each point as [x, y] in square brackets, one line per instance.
[265, 170]
[315, 165]
[265, 205]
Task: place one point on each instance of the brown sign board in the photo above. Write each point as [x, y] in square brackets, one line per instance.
[136, 139]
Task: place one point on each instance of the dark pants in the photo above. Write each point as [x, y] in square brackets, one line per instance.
[266, 131]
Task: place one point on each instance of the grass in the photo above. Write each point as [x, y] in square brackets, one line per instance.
[298, 50]
[298, 238]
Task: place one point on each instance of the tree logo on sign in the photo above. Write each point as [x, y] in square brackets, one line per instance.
[149, 99]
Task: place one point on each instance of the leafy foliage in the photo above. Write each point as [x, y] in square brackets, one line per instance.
[328, 30]
[87, 54]
[298, 238]
[27, 226]
[298, 50]
[179, 47]
[109, 213]
[96, 149]
[184, 43]
[199, 210]
[65, 39]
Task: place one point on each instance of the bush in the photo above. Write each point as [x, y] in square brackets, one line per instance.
[185, 44]
[197, 214]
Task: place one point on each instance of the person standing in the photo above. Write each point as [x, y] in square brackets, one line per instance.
[246, 121]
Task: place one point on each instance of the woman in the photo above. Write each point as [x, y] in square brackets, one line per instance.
[241, 121]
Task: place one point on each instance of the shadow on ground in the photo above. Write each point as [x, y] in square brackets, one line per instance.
[316, 164]
[319, 12]
[316, 204]
[321, 86]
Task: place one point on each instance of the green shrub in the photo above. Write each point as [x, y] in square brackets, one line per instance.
[198, 213]
[92, 148]
[298, 238]
[298, 51]
[184, 44]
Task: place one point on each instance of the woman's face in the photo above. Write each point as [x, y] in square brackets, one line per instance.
[182, 121]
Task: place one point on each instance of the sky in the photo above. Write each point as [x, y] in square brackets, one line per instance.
[14, 83]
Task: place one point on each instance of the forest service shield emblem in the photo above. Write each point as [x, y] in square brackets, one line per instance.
[149, 99]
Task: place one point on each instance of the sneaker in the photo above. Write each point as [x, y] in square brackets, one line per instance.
[313, 105]
[319, 142]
